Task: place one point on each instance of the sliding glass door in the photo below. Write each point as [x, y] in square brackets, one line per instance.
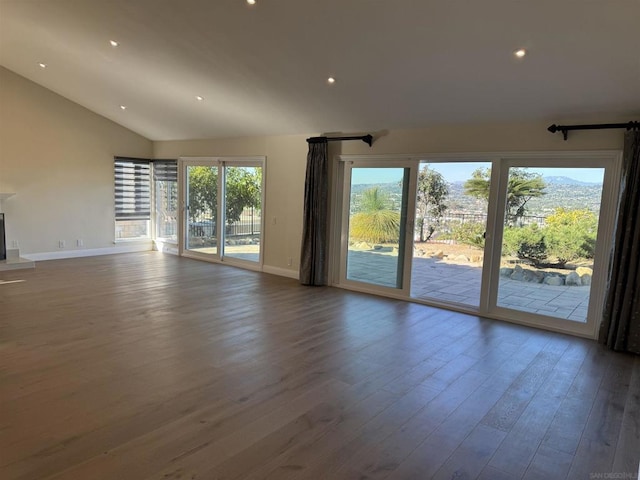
[222, 214]
[243, 210]
[201, 213]
[451, 221]
[554, 222]
[377, 224]
[524, 238]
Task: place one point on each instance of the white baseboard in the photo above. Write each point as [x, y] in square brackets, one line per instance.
[283, 272]
[137, 247]
[170, 248]
[90, 252]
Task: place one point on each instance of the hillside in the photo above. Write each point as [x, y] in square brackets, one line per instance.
[561, 191]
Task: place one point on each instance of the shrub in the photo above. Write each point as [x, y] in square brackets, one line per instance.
[376, 222]
[571, 234]
[380, 226]
[468, 233]
[526, 243]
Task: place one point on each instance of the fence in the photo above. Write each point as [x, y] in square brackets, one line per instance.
[249, 224]
[447, 222]
[461, 218]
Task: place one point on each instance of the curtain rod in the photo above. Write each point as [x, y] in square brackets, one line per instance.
[368, 139]
[596, 126]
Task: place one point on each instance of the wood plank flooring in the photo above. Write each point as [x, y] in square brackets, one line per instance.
[148, 367]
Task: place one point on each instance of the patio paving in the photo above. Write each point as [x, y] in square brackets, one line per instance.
[438, 279]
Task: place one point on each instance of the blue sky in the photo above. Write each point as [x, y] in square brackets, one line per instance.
[461, 171]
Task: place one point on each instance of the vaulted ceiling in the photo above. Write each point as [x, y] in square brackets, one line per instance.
[262, 69]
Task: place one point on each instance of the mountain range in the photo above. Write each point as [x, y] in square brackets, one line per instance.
[558, 180]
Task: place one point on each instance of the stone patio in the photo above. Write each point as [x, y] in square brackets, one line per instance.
[438, 279]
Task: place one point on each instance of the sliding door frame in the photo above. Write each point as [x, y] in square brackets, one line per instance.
[339, 275]
[221, 163]
[610, 163]
[500, 161]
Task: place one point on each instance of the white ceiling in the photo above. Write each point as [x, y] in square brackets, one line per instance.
[262, 69]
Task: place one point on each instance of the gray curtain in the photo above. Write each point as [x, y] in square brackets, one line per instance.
[620, 328]
[313, 257]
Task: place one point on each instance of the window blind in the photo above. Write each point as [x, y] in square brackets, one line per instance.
[165, 171]
[132, 189]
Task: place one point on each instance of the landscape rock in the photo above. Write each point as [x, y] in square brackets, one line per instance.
[438, 254]
[554, 280]
[506, 271]
[585, 278]
[584, 271]
[573, 279]
[532, 276]
[518, 273]
[460, 258]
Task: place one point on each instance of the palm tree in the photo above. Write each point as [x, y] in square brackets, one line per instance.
[522, 187]
[376, 222]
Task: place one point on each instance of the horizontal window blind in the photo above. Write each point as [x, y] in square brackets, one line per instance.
[165, 171]
[132, 189]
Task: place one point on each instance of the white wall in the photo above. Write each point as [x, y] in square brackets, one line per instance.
[57, 157]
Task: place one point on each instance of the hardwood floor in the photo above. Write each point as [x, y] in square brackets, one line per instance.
[144, 366]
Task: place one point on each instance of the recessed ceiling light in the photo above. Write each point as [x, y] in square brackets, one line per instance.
[521, 52]
[113, 43]
[123, 107]
[331, 80]
[251, 2]
[42, 65]
[199, 98]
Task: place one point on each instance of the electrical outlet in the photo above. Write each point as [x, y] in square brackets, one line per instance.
[80, 242]
[62, 244]
[289, 261]
[14, 244]
[273, 220]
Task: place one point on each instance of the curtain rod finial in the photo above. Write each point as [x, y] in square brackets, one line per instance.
[368, 139]
[555, 128]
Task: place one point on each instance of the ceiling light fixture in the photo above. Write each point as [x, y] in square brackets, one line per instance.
[251, 2]
[42, 65]
[521, 52]
[331, 80]
[199, 98]
[123, 107]
[114, 43]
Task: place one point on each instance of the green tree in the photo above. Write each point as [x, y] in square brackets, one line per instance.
[203, 192]
[432, 193]
[522, 187]
[243, 190]
[375, 222]
[571, 234]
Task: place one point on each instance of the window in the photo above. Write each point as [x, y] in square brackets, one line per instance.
[132, 198]
[165, 191]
